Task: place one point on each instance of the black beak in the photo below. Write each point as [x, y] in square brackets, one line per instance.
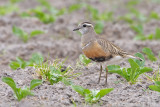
[76, 29]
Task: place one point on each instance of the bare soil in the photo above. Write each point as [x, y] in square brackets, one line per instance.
[60, 42]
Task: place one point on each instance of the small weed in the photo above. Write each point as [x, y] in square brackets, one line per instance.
[74, 7]
[15, 1]
[140, 33]
[91, 96]
[155, 87]
[154, 15]
[84, 60]
[6, 9]
[24, 35]
[149, 54]
[151, 57]
[46, 13]
[19, 92]
[55, 72]
[154, 77]
[131, 74]
[20, 63]
[99, 18]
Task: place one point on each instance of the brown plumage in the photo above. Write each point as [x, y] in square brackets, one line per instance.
[99, 49]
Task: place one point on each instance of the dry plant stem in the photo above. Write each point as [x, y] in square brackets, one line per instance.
[100, 73]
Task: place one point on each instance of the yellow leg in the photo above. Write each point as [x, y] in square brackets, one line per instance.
[100, 73]
[106, 75]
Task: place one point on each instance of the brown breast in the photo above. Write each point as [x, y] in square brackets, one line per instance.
[94, 50]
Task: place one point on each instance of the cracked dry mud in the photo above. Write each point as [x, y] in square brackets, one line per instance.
[60, 42]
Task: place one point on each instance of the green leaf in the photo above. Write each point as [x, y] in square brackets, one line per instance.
[157, 83]
[99, 26]
[150, 36]
[74, 7]
[14, 65]
[154, 15]
[133, 64]
[131, 3]
[66, 81]
[103, 92]
[127, 18]
[37, 58]
[44, 3]
[79, 89]
[137, 28]
[20, 93]
[154, 88]
[140, 63]
[10, 82]
[84, 59]
[17, 31]
[145, 69]
[35, 33]
[15, 1]
[113, 67]
[149, 54]
[34, 83]
[157, 34]
[107, 16]
[19, 63]
[20, 33]
[23, 93]
[5, 9]
[140, 37]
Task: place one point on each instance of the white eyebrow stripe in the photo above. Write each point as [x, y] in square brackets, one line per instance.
[88, 24]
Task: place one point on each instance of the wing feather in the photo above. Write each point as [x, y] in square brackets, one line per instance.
[110, 47]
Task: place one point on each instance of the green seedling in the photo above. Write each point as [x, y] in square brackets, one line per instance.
[91, 96]
[149, 54]
[155, 87]
[19, 92]
[132, 3]
[46, 13]
[138, 28]
[99, 18]
[24, 35]
[40, 14]
[99, 26]
[20, 63]
[15, 1]
[74, 7]
[55, 72]
[154, 15]
[157, 34]
[130, 74]
[84, 60]
[140, 33]
[6, 9]
[155, 76]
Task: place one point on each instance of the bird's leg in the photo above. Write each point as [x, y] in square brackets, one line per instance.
[100, 73]
[106, 75]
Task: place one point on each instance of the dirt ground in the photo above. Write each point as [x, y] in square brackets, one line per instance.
[60, 42]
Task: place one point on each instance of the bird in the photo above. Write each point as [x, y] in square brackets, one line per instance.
[99, 49]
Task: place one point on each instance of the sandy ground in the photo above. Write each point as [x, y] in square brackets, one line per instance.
[60, 42]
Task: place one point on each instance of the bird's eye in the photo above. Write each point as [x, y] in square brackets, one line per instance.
[84, 25]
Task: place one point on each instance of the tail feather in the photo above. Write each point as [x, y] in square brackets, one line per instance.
[134, 57]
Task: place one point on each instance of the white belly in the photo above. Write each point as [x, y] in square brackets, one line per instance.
[115, 60]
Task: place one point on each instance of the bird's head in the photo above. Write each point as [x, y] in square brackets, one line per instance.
[84, 27]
